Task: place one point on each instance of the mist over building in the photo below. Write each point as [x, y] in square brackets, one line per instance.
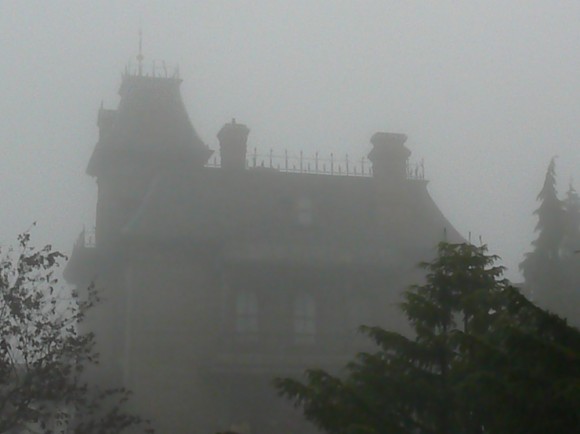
[223, 268]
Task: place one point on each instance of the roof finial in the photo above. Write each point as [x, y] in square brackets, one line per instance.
[140, 55]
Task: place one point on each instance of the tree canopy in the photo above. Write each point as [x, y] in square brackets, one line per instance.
[43, 355]
[544, 259]
[482, 359]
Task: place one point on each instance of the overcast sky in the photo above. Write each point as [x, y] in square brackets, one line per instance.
[486, 91]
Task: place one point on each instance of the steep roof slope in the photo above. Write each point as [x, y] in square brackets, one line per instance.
[151, 122]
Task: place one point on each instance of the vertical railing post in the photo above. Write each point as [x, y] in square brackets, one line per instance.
[271, 155]
[362, 166]
[301, 161]
[316, 162]
[286, 159]
[346, 164]
[332, 163]
[255, 156]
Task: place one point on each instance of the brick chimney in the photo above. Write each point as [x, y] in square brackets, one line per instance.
[389, 156]
[233, 139]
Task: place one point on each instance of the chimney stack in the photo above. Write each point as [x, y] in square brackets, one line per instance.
[233, 139]
[389, 156]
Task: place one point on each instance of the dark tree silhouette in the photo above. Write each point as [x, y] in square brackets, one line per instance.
[542, 266]
[552, 269]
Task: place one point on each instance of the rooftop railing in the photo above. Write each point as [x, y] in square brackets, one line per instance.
[156, 69]
[317, 164]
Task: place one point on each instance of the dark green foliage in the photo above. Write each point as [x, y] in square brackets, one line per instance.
[524, 372]
[43, 356]
[483, 359]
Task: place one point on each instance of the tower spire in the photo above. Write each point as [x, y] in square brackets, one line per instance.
[140, 55]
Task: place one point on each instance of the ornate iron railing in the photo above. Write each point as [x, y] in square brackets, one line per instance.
[317, 164]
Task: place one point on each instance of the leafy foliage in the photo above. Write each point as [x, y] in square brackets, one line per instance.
[483, 359]
[43, 356]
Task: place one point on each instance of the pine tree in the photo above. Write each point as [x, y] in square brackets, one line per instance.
[542, 267]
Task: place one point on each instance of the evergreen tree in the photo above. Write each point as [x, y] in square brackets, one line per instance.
[408, 386]
[483, 359]
[542, 267]
[523, 375]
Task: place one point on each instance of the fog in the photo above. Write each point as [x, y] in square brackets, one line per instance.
[487, 93]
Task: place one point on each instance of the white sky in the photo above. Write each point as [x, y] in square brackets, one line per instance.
[486, 91]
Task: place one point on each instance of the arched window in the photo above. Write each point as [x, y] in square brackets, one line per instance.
[246, 313]
[304, 319]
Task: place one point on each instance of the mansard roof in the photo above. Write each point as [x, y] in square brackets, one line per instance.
[288, 215]
[254, 215]
[151, 121]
